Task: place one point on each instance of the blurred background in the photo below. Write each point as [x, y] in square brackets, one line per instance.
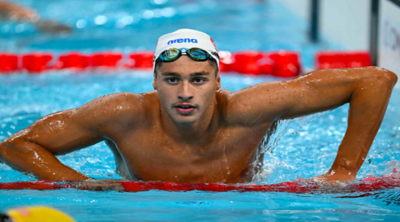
[126, 25]
[306, 26]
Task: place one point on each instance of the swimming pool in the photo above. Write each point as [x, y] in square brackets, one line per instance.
[308, 147]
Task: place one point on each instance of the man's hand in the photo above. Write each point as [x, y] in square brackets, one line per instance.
[340, 175]
[98, 185]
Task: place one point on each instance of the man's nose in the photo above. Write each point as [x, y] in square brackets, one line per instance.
[185, 93]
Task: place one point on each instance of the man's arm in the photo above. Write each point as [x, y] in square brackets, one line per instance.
[12, 11]
[33, 149]
[366, 89]
[17, 12]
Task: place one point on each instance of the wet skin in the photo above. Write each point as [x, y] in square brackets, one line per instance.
[188, 130]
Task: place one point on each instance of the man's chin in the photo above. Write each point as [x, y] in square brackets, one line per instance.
[186, 120]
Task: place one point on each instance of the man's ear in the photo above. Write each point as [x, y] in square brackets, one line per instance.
[218, 81]
[154, 81]
[154, 84]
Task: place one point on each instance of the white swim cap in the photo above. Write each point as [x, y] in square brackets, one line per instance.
[186, 38]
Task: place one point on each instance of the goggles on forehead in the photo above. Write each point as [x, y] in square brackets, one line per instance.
[196, 54]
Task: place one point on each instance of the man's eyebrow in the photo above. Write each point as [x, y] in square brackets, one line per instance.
[193, 74]
[200, 74]
[170, 74]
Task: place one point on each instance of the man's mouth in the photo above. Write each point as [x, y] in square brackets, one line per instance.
[184, 109]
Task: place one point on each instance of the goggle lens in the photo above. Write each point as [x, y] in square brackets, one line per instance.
[197, 54]
[170, 55]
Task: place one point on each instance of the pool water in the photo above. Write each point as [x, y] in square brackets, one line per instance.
[302, 152]
[301, 148]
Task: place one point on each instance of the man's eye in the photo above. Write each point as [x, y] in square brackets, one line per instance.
[198, 80]
[172, 80]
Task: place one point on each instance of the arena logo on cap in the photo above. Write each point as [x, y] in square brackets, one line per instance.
[188, 40]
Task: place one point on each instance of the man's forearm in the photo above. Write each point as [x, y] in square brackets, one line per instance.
[17, 12]
[6, 6]
[29, 157]
[367, 108]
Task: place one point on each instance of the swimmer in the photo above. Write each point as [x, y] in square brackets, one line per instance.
[189, 130]
[12, 11]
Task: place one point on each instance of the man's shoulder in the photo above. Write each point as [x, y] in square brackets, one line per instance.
[127, 102]
[223, 102]
[118, 102]
[121, 109]
[222, 96]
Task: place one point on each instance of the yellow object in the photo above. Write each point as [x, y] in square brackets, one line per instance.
[38, 214]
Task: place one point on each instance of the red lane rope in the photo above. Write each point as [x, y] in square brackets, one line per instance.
[279, 63]
[367, 185]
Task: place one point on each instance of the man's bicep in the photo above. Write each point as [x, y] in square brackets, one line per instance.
[305, 95]
[61, 132]
[70, 130]
[322, 90]
[89, 124]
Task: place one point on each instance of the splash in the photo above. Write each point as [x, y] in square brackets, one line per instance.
[271, 141]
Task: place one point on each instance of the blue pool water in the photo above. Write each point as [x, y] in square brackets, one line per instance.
[306, 147]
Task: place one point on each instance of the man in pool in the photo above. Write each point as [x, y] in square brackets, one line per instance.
[189, 130]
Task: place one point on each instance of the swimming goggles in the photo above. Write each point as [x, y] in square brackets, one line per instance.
[196, 54]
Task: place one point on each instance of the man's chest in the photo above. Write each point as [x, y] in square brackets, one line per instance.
[223, 157]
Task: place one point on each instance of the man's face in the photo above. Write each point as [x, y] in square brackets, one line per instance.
[186, 89]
